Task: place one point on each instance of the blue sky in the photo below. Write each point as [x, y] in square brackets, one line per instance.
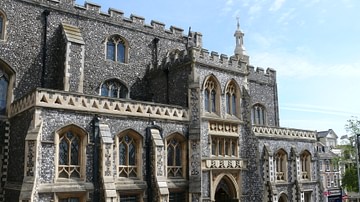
[312, 44]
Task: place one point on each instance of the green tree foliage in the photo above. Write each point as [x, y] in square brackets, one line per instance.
[350, 179]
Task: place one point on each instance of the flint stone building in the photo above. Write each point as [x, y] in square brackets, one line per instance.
[101, 107]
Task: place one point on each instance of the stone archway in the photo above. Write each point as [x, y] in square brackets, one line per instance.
[283, 198]
[225, 191]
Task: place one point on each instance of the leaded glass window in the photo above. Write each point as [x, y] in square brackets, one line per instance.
[223, 146]
[174, 157]
[4, 83]
[231, 99]
[129, 198]
[305, 158]
[258, 115]
[127, 156]
[281, 165]
[116, 49]
[177, 197]
[114, 88]
[72, 199]
[210, 96]
[69, 155]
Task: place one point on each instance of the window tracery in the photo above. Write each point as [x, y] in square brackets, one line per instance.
[211, 95]
[258, 115]
[128, 149]
[116, 49]
[231, 99]
[4, 84]
[114, 88]
[281, 165]
[305, 159]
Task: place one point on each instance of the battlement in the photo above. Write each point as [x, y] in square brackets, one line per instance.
[262, 76]
[219, 60]
[115, 16]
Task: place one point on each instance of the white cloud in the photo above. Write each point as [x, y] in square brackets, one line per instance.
[276, 5]
[289, 65]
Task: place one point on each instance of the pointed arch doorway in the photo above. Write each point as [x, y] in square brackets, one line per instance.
[283, 198]
[225, 191]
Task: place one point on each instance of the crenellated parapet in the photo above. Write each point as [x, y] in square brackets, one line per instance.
[115, 16]
[261, 76]
[222, 61]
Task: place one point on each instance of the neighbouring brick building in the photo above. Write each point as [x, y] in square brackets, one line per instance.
[101, 107]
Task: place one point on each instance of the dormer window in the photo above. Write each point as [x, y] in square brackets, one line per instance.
[116, 49]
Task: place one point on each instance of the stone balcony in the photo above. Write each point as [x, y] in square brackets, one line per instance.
[97, 104]
[287, 133]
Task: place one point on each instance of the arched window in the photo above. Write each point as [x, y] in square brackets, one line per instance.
[129, 154]
[211, 95]
[2, 25]
[114, 88]
[71, 152]
[176, 156]
[223, 146]
[116, 49]
[4, 84]
[258, 115]
[281, 165]
[305, 159]
[232, 96]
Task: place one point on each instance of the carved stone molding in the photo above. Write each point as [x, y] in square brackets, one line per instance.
[223, 128]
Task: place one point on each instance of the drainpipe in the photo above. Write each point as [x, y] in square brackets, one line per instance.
[96, 139]
[148, 167]
[46, 14]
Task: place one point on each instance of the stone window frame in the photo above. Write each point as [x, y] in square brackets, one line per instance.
[111, 82]
[211, 93]
[281, 165]
[219, 145]
[9, 75]
[117, 39]
[139, 196]
[305, 164]
[258, 114]
[81, 195]
[3, 25]
[183, 149]
[321, 165]
[232, 98]
[335, 180]
[328, 180]
[77, 130]
[327, 165]
[124, 169]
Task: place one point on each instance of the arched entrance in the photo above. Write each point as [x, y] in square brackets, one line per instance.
[283, 198]
[225, 191]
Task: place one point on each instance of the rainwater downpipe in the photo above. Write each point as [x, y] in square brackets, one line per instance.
[96, 139]
[46, 14]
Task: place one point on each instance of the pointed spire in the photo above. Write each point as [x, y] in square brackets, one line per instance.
[239, 36]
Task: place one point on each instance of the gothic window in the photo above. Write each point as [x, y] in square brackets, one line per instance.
[232, 95]
[258, 115]
[211, 95]
[4, 83]
[327, 165]
[176, 156]
[305, 159]
[177, 196]
[128, 149]
[335, 180]
[116, 49]
[71, 199]
[328, 180]
[281, 165]
[114, 88]
[2, 25]
[223, 146]
[129, 197]
[71, 154]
